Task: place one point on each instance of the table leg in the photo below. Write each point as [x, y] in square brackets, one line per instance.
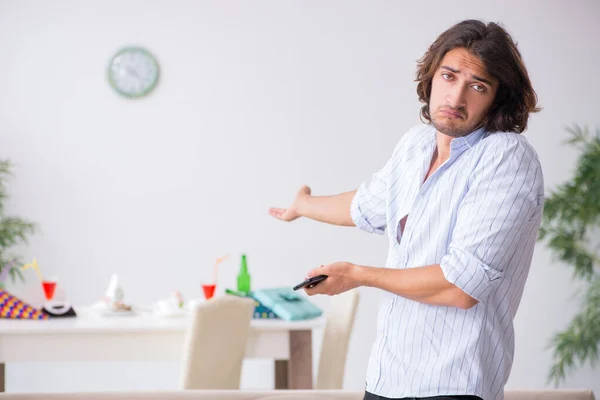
[281, 374]
[300, 363]
[2, 389]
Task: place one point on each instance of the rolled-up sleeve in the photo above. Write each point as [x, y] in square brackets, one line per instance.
[369, 206]
[500, 211]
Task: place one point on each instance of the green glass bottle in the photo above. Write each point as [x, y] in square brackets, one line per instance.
[243, 278]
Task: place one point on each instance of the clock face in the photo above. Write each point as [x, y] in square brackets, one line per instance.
[133, 72]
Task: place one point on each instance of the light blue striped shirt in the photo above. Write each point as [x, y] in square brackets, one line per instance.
[477, 216]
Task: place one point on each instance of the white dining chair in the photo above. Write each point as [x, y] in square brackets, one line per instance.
[340, 317]
[216, 342]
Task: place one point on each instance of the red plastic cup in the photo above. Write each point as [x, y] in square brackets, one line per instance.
[209, 290]
[49, 288]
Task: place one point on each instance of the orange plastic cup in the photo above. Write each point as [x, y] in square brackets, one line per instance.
[209, 290]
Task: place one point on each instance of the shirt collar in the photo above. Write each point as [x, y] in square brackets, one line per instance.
[468, 140]
[457, 145]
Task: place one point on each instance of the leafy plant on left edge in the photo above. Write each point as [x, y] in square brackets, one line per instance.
[13, 230]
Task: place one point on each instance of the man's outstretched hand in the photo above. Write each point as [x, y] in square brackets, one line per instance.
[292, 212]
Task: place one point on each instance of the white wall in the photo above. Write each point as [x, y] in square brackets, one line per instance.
[256, 98]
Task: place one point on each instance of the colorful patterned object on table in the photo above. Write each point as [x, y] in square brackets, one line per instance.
[13, 308]
[287, 304]
[260, 311]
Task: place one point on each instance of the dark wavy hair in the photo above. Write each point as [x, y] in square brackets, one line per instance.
[515, 98]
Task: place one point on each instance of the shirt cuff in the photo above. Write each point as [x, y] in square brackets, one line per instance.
[359, 219]
[469, 274]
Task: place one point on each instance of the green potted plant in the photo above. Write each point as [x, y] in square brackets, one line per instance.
[571, 217]
[13, 231]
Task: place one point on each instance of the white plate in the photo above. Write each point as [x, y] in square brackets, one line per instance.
[170, 314]
[106, 312]
[123, 313]
[102, 309]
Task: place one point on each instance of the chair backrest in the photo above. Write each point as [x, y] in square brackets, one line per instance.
[216, 343]
[338, 326]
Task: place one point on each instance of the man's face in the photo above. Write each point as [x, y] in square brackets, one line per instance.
[462, 93]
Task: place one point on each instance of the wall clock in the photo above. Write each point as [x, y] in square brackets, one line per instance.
[133, 72]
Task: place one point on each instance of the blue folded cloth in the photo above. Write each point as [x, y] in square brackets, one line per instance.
[287, 304]
[260, 311]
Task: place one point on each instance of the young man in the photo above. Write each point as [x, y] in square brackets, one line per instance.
[461, 199]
